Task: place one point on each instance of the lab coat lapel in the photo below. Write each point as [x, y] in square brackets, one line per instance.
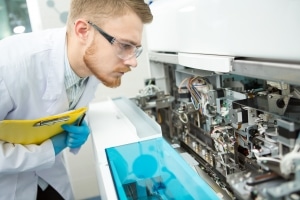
[89, 92]
[55, 95]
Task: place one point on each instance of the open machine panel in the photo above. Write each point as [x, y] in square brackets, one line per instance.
[241, 126]
[225, 86]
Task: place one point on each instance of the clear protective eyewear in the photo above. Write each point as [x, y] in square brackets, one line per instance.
[124, 51]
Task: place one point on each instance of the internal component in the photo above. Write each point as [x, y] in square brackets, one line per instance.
[243, 131]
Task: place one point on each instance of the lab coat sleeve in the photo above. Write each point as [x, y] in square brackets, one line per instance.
[19, 158]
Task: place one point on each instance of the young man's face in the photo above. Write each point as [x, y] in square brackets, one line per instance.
[103, 58]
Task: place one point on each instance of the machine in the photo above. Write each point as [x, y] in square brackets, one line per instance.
[225, 86]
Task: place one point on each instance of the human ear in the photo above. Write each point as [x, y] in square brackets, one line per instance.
[82, 30]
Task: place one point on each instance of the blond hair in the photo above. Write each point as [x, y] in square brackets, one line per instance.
[98, 10]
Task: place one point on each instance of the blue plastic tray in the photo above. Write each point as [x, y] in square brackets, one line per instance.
[152, 169]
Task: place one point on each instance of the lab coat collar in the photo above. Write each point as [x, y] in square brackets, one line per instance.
[55, 92]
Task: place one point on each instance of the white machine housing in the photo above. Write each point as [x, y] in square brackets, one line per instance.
[251, 28]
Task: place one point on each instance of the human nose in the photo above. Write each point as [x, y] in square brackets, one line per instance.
[132, 62]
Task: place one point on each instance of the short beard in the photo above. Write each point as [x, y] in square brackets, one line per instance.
[89, 60]
[112, 84]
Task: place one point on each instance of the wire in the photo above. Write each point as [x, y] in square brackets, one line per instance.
[220, 128]
[183, 118]
[193, 85]
[180, 85]
[197, 107]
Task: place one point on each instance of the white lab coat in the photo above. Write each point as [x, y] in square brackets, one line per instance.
[32, 86]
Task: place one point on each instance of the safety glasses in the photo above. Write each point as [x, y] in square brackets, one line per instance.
[123, 50]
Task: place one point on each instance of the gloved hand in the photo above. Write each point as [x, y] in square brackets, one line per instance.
[59, 142]
[77, 135]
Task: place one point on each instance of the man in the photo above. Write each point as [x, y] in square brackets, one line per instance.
[49, 72]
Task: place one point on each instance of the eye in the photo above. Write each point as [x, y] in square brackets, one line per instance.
[125, 46]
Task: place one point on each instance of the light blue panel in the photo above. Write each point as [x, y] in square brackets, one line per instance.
[152, 169]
